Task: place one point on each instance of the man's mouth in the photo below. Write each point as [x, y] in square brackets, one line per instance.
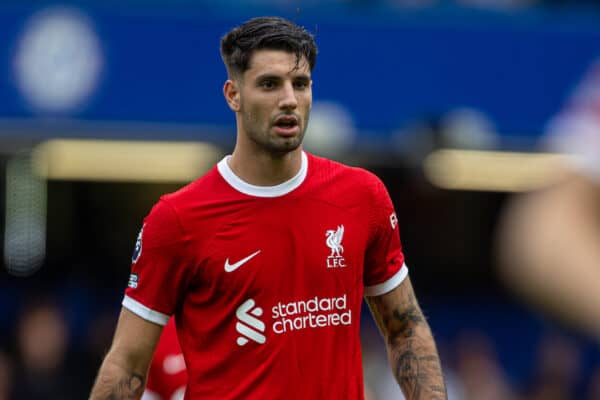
[287, 125]
[287, 121]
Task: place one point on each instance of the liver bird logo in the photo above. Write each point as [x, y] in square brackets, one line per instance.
[334, 241]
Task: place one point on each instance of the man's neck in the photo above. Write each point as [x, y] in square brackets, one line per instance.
[265, 169]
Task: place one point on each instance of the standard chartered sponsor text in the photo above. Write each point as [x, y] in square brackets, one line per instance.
[313, 313]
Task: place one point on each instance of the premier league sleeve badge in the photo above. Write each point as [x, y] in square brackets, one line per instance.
[137, 251]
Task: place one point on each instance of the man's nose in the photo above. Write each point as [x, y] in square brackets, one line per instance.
[288, 97]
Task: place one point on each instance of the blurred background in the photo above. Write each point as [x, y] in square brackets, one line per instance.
[106, 105]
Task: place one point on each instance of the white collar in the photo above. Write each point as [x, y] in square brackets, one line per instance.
[263, 191]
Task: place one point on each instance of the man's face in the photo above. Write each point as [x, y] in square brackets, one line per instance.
[275, 100]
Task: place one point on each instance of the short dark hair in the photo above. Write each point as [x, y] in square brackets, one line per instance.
[268, 33]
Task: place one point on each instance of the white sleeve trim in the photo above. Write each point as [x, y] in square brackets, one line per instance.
[144, 312]
[389, 285]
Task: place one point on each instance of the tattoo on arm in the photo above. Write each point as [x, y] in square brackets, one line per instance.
[407, 320]
[128, 388]
[411, 348]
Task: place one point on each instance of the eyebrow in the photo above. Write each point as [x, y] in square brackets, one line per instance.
[269, 75]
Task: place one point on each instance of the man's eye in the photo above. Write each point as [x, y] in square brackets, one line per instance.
[267, 84]
[301, 85]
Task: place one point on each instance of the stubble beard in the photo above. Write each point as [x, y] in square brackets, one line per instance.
[274, 144]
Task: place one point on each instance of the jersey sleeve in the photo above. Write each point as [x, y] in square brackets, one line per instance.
[159, 267]
[384, 261]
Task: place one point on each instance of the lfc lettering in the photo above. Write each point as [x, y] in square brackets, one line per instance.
[335, 262]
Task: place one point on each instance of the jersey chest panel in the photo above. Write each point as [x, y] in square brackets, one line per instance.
[279, 250]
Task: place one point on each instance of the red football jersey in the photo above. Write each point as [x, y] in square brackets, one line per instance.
[167, 377]
[267, 283]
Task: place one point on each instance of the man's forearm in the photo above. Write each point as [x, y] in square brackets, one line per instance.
[414, 358]
[115, 382]
[411, 349]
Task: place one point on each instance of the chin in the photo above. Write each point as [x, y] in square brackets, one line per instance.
[285, 146]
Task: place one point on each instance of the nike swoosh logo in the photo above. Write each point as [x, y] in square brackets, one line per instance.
[234, 266]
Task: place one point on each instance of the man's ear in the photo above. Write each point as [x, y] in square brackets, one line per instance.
[231, 91]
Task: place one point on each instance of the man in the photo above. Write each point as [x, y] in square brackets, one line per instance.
[264, 261]
[549, 240]
[167, 377]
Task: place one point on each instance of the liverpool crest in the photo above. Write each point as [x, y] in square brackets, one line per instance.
[334, 242]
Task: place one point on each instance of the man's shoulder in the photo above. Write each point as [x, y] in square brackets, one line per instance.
[196, 190]
[342, 173]
[173, 208]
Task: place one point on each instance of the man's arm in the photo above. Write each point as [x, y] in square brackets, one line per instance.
[411, 349]
[549, 250]
[123, 372]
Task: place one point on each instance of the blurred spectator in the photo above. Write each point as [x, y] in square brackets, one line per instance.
[479, 370]
[549, 240]
[379, 381]
[557, 371]
[42, 340]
